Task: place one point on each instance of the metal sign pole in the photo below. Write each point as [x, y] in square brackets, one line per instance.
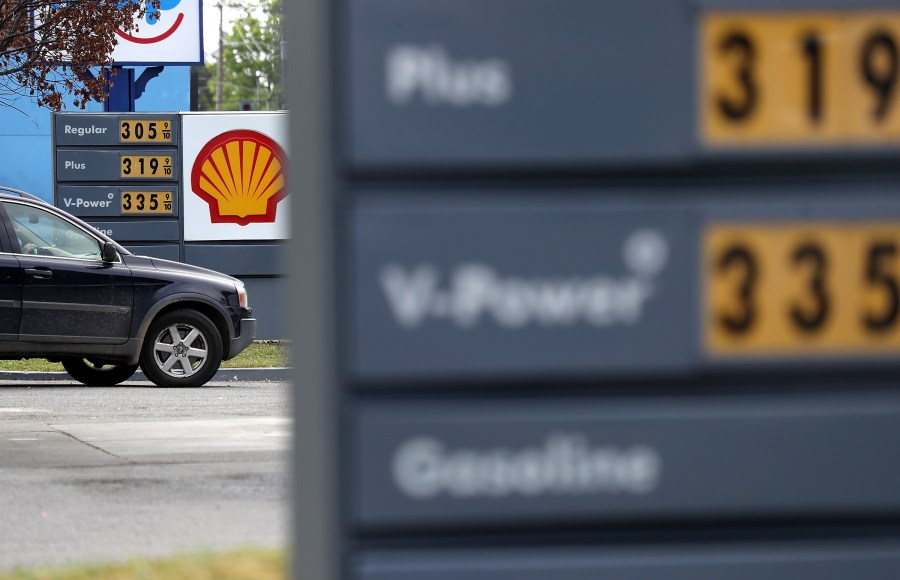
[312, 284]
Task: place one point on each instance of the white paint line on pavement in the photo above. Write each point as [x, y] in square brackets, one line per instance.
[141, 439]
[24, 410]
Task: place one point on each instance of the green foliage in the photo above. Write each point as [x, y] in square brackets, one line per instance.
[261, 354]
[251, 62]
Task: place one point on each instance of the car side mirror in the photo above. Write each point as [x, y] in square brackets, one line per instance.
[108, 252]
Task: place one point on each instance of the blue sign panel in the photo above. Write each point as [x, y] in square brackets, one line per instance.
[508, 289]
[465, 84]
[813, 560]
[508, 463]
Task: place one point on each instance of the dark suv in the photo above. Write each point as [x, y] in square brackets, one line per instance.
[70, 294]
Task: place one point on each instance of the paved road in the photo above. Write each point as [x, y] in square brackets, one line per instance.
[90, 474]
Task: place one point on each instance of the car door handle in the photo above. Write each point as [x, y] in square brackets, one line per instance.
[40, 272]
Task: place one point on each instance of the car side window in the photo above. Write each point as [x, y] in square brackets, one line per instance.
[43, 233]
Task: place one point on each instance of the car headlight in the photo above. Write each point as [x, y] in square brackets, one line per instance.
[242, 295]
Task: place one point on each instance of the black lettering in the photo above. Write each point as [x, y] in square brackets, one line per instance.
[878, 274]
[804, 319]
[740, 109]
[739, 256]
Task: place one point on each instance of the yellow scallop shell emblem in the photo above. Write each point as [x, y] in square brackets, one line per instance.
[240, 174]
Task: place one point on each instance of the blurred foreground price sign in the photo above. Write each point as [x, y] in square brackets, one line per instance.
[771, 78]
[785, 289]
[565, 308]
[506, 289]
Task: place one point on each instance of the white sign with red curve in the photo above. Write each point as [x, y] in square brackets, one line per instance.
[171, 34]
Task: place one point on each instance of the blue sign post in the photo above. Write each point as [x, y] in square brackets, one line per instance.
[124, 89]
[172, 34]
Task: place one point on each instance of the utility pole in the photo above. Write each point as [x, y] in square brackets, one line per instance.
[220, 71]
[282, 92]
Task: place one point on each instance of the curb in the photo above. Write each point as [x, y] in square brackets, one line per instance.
[240, 374]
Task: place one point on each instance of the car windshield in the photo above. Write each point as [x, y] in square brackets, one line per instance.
[43, 233]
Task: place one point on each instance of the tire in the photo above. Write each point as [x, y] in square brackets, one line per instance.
[182, 348]
[97, 373]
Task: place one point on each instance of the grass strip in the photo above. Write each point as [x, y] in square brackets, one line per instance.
[259, 354]
[246, 564]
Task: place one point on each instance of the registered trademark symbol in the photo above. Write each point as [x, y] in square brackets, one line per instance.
[645, 252]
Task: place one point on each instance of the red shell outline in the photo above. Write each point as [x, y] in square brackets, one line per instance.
[226, 137]
[152, 39]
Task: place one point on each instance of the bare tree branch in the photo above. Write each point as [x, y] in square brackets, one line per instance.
[46, 46]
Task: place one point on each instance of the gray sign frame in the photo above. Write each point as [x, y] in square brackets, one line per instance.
[318, 540]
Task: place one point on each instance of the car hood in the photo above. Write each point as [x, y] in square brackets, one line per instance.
[170, 266]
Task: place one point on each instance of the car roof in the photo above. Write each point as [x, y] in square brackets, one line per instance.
[12, 192]
[4, 190]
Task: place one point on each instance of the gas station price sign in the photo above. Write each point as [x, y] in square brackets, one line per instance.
[800, 77]
[107, 130]
[145, 131]
[146, 166]
[121, 174]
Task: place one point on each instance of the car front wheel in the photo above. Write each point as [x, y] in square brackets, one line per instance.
[97, 373]
[182, 349]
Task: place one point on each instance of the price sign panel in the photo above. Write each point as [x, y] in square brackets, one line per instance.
[786, 78]
[802, 289]
[147, 202]
[146, 167]
[105, 130]
[103, 201]
[119, 172]
[145, 131]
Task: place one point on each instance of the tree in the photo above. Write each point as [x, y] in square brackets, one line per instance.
[48, 48]
[251, 61]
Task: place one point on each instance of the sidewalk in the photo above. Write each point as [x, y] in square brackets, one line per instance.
[241, 374]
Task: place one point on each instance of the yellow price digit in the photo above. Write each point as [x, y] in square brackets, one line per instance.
[770, 78]
[146, 166]
[145, 131]
[153, 202]
[782, 289]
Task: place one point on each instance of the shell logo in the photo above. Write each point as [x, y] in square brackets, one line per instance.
[240, 174]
